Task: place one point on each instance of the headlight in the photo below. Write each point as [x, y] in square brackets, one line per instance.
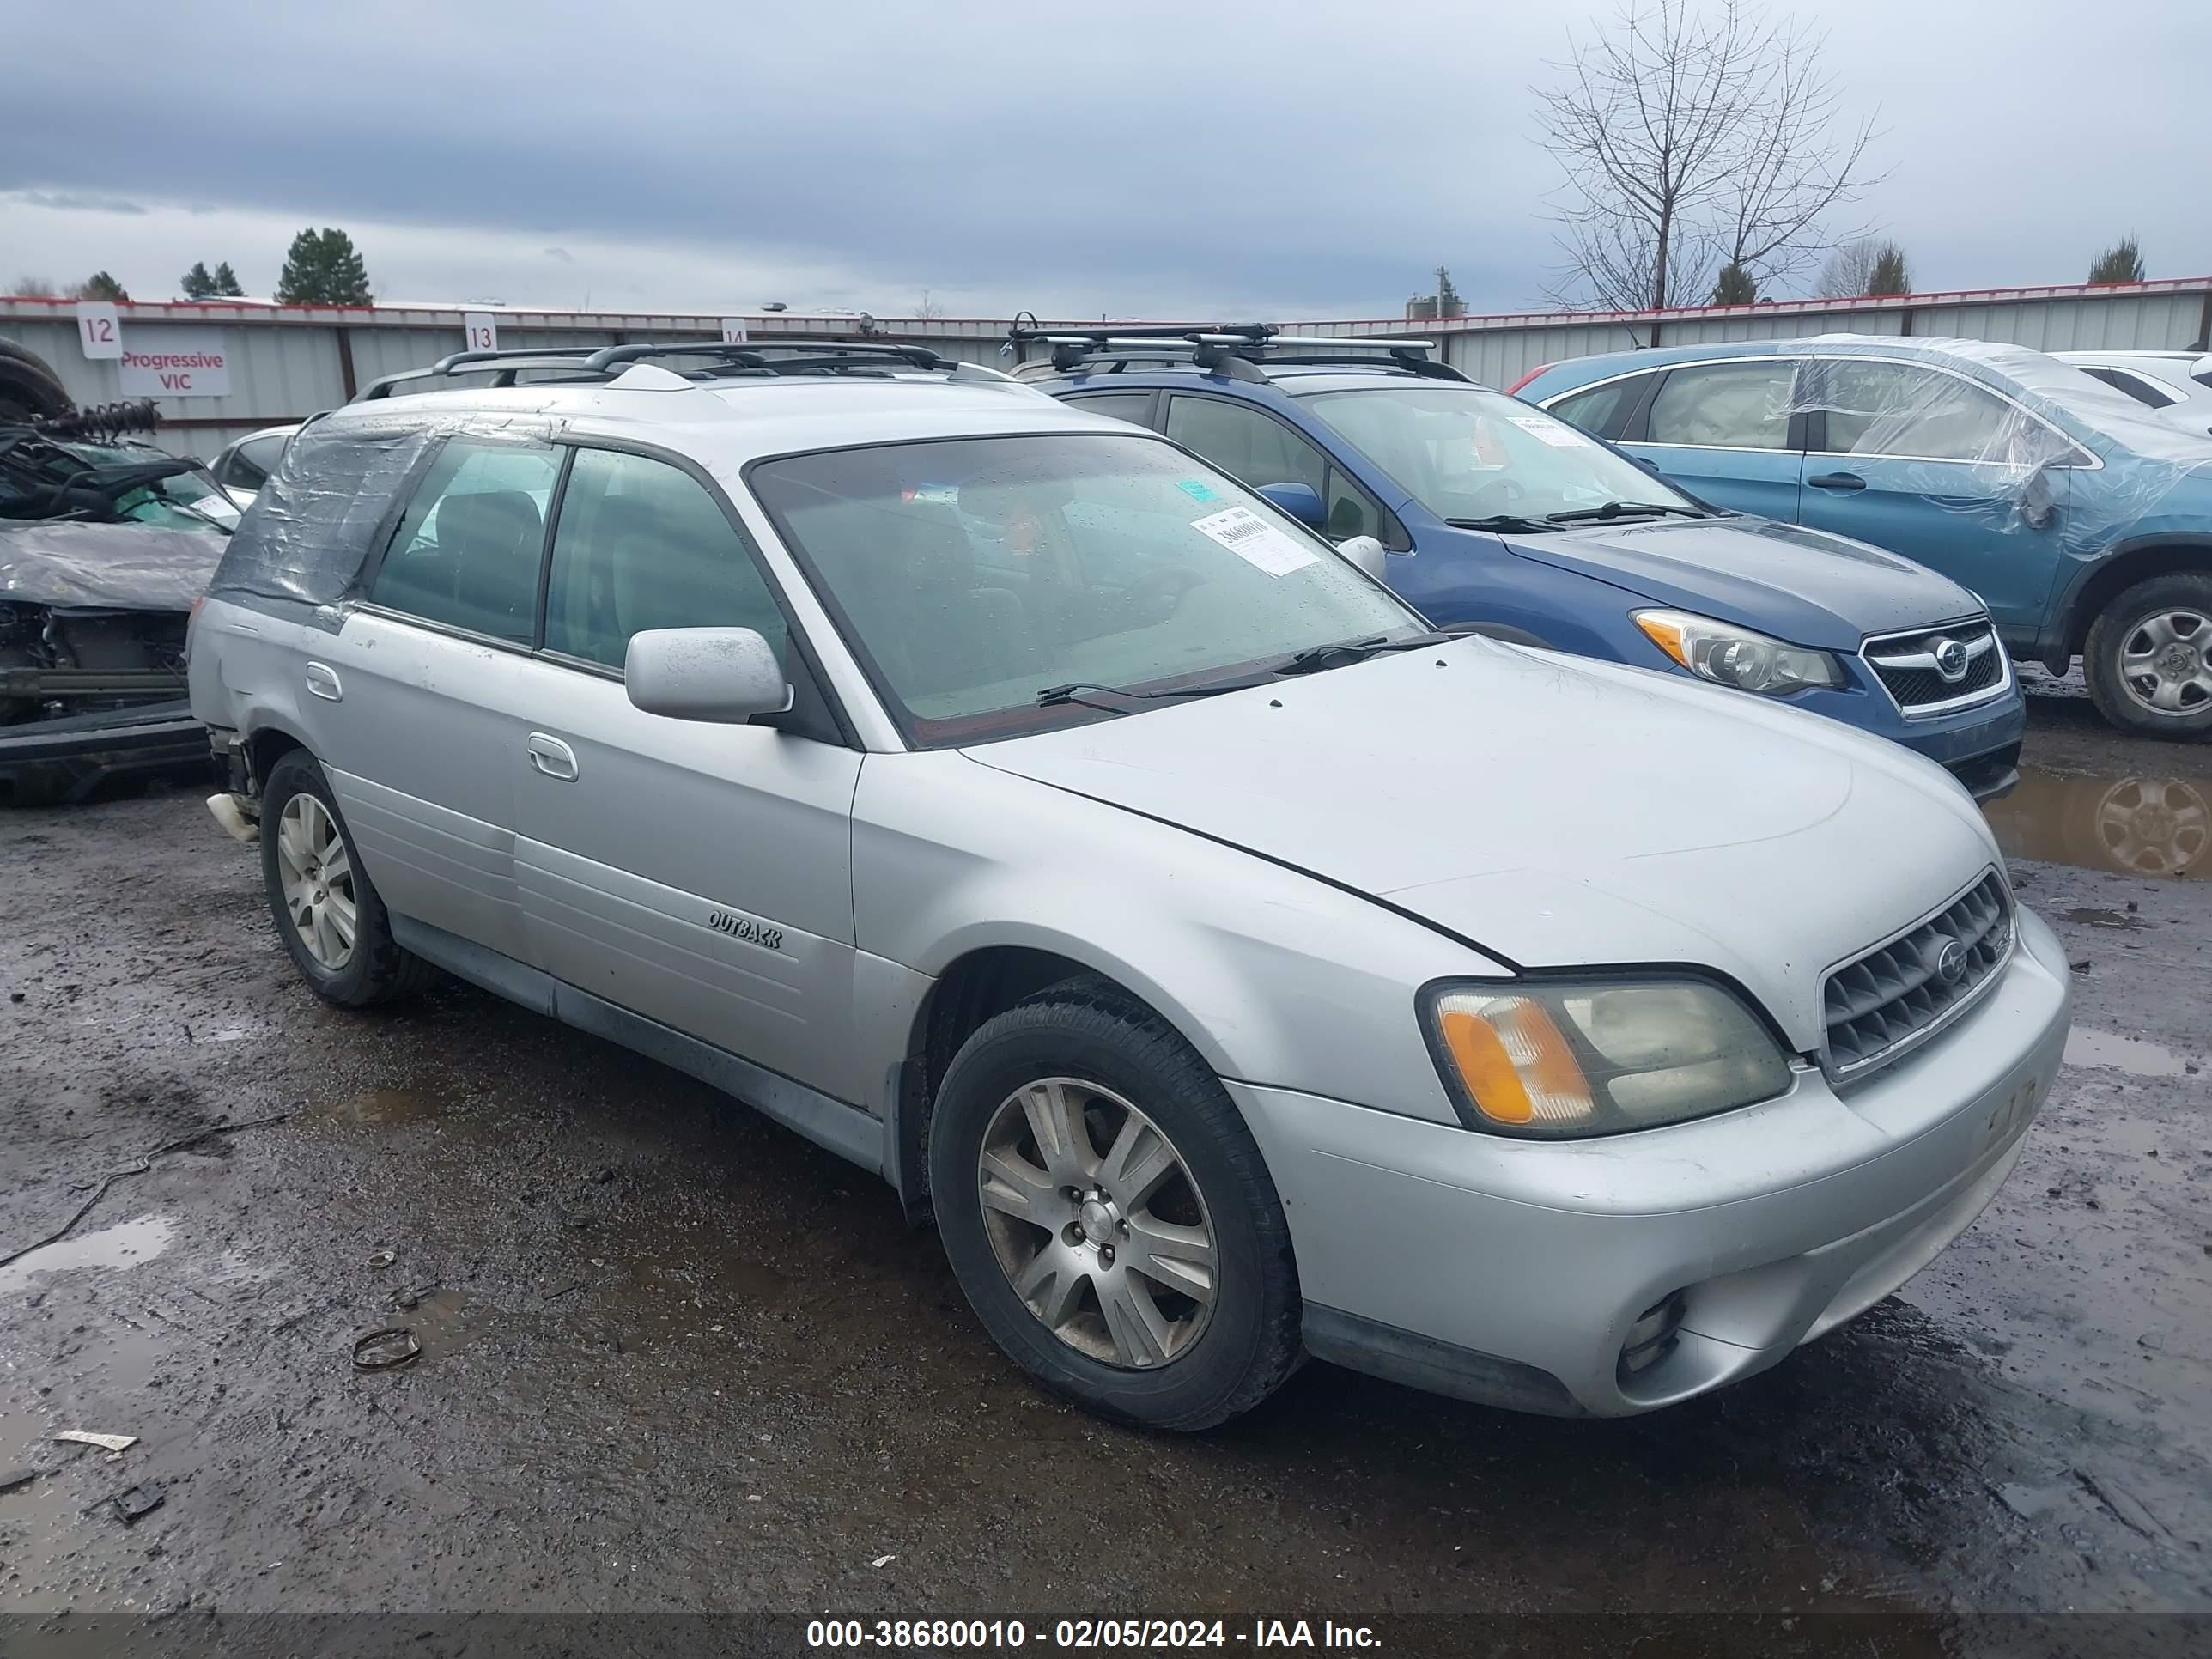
[1728, 655]
[1555, 1061]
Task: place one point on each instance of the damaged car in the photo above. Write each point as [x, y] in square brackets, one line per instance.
[104, 546]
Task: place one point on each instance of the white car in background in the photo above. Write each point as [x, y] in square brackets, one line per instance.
[245, 465]
[2177, 384]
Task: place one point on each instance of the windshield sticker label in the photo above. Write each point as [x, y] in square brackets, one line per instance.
[1255, 541]
[1557, 433]
[942, 495]
[1198, 489]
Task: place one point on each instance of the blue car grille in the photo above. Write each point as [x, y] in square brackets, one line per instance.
[1907, 665]
[1899, 992]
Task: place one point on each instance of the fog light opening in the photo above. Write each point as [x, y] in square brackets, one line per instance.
[1653, 1336]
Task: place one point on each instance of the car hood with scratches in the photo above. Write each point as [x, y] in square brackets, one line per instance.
[1555, 811]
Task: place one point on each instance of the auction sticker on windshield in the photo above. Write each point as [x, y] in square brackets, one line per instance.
[1558, 434]
[1255, 541]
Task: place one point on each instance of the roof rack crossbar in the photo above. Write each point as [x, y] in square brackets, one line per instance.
[502, 373]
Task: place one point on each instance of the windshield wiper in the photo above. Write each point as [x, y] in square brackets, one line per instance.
[1315, 658]
[1052, 696]
[1619, 510]
[1504, 522]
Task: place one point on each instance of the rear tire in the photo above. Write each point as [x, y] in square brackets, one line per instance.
[1156, 1185]
[2149, 658]
[29, 389]
[327, 913]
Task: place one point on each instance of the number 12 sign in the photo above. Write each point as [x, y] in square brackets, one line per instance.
[98, 330]
[482, 331]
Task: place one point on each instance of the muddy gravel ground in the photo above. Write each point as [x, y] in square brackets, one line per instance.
[675, 1359]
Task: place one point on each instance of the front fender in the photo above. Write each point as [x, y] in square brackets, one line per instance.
[1271, 974]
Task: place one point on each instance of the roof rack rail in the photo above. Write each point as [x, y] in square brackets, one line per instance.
[1237, 349]
[578, 364]
[820, 355]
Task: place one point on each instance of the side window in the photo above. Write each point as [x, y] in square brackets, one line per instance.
[252, 462]
[2142, 391]
[642, 545]
[1724, 406]
[467, 551]
[1897, 408]
[1600, 409]
[1135, 406]
[1247, 444]
[1350, 512]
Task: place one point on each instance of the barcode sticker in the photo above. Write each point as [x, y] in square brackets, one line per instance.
[1255, 541]
[1558, 434]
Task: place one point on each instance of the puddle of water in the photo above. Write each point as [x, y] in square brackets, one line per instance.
[2136, 826]
[2134, 1056]
[2093, 917]
[127, 1244]
[385, 1106]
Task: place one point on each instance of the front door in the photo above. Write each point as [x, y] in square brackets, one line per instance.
[698, 874]
[1727, 433]
[1945, 471]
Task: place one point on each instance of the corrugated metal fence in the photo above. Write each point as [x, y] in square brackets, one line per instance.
[282, 362]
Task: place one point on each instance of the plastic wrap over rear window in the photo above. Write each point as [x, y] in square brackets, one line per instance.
[304, 542]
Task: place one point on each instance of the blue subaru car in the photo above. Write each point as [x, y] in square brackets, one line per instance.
[2081, 518]
[1496, 515]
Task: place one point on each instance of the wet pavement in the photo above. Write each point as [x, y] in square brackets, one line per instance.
[675, 1358]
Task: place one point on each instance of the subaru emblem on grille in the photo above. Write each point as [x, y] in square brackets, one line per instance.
[1950, 660]
[1951, 962]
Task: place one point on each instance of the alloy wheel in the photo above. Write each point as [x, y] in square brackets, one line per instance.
[317, 873]
[2165, 662]
[1098, 1224]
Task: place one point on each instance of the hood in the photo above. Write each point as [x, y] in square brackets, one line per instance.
[1805, 587]
[1555, 811]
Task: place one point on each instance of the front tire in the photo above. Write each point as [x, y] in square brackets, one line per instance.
[1108, 1213]
[327, 913]
[2149, 658]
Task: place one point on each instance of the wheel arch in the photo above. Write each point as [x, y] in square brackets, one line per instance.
[2121, 568]
[267, 742]
[982, 981]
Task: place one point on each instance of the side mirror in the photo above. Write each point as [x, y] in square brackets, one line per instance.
[1302, 501]
[1368, 554]
[725, 675]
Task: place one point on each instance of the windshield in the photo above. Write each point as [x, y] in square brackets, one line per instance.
[973, 575]
[1465, 453]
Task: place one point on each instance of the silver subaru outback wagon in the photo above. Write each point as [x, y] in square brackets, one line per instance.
[1236, 968]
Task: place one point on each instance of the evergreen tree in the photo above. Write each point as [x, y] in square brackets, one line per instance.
[1736, 287]
[199, 282]
[102, 286]
[225, 283]
[2120, 263]
[323, 268]
[1890, 274]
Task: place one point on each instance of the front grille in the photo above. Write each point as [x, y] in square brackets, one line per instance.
[1906, 666]
[1899, 993]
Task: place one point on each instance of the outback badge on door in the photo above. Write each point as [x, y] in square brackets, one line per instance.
[746, 928]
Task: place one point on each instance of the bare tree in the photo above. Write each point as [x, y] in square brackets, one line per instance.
[34, 288]
[928, 309]
[1693, 140]
[1863, 266]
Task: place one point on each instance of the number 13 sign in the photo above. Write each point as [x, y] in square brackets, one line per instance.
[482, 331]
[98, 330]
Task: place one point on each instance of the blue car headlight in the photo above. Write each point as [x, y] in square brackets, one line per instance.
[1728, 655]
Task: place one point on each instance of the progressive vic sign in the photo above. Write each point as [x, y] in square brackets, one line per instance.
[173, 362]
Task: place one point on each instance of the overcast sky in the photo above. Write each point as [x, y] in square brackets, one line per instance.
[1208, 158]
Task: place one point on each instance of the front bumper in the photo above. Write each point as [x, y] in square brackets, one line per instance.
[67, 759]
[1513, 1272]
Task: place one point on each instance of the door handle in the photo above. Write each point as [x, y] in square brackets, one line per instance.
[553, 758]
[1837, 481]
[323, 682]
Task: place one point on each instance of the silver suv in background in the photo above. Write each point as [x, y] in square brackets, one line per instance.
[1236, 968]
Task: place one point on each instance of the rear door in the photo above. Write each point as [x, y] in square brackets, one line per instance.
[1945, 470]
[420, 695]
[1726, 432]
[698, 874]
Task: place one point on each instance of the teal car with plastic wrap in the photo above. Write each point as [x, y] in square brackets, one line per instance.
[2081, 520]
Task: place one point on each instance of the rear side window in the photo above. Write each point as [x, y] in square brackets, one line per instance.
[467, 552]
[2136, 385]
[1899, 409]
[1600, 409]
[642, 545]
[1135, 406]
[252, 461]
[1724, 406]
[1247, 444]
